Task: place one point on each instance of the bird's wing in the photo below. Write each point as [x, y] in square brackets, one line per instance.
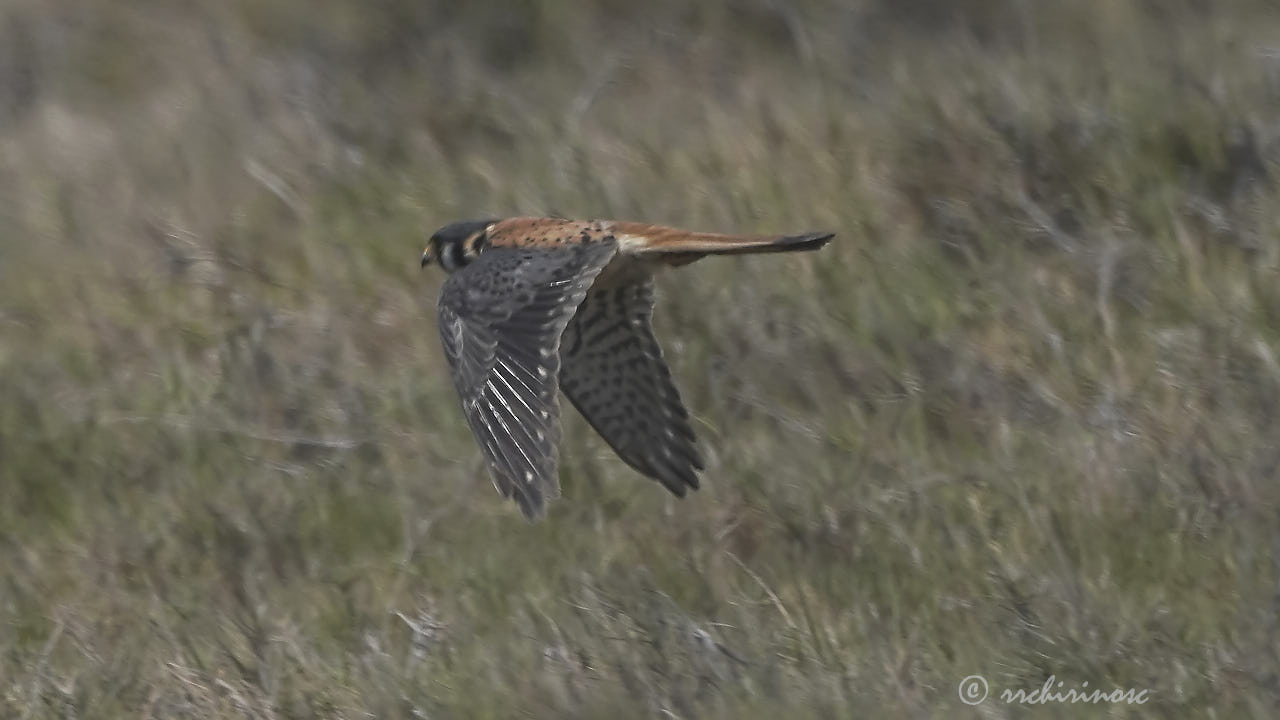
[612, 370]
[501, 318]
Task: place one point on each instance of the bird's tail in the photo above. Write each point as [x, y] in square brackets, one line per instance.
[670, 241]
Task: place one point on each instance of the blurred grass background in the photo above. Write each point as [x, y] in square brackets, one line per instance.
[1018, 420]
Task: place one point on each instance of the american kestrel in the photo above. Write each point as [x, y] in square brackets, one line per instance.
[532, 305]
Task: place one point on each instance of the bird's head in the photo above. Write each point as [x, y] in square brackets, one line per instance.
[455, 245]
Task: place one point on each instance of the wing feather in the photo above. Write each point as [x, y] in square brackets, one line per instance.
[501, 319]
[612, 370]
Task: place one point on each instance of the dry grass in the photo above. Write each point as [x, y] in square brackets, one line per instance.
[1018, 420]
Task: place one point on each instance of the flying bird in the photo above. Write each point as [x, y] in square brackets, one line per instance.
[534, 305]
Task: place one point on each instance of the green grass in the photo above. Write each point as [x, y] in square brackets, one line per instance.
[1016, 421]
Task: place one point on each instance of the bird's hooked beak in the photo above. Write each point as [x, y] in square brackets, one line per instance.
[428, 256]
